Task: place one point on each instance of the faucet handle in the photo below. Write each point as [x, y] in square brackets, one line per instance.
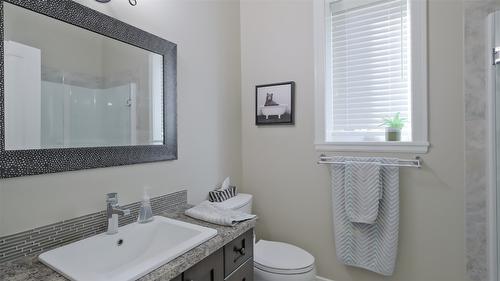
[112, 198]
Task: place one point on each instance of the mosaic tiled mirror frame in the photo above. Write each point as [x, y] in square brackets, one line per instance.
[15, 163]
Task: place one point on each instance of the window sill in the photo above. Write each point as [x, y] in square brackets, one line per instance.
[405, 147]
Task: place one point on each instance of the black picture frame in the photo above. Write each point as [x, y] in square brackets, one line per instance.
[15, 163]
[275, 104]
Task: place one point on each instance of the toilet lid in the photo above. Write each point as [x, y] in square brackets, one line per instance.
[282, 258]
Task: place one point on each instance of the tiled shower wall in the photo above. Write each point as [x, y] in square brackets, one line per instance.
[476, 69]
[38, 240]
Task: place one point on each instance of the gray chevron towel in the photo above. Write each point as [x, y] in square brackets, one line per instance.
[370, 246]
[362, 191]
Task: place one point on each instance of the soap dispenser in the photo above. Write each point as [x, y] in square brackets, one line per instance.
[145, 212]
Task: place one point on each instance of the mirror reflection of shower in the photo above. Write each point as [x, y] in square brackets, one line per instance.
[79, 116]
[87, 90]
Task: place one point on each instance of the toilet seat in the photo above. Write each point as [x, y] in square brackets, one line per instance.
[282, 258]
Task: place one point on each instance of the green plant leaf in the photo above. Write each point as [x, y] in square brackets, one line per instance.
[395, 122]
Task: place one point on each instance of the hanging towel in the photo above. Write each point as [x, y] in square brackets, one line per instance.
[208, 212]
[362, 191]
[370, 246]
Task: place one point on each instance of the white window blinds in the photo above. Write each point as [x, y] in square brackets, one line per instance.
[370, 73]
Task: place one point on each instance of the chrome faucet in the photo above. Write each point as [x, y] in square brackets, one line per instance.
[113, 211]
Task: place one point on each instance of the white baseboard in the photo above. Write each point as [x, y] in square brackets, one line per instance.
[319, 278]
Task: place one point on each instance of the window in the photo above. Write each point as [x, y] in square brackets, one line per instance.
[370, 64]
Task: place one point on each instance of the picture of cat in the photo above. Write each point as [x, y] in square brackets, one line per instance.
[269, 100]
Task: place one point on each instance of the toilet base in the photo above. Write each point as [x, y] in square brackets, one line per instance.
[260, 275]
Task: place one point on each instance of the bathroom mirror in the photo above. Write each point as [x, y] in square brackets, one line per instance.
[69, 87]
[82, 90]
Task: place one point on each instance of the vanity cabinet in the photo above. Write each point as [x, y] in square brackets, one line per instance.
[237, 252]
[209, 269]
[233, 262]
[244, 273]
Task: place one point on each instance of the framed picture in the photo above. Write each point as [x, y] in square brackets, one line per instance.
[274, 103]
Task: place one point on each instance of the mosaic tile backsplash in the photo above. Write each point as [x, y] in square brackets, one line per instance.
[41, 239]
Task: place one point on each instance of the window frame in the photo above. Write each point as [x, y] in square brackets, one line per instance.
[418, 27]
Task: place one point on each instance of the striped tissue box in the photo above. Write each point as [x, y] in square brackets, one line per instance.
[221, 195]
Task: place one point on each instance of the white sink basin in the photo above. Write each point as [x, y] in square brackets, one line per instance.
[134, 251]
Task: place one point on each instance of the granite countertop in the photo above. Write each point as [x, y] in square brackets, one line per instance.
[30, 269]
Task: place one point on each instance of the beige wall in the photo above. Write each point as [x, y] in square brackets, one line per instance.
[207, 34]
[292, 193]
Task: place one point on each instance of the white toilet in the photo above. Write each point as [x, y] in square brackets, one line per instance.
[275, 261]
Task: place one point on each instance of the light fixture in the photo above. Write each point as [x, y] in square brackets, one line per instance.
[132, 2]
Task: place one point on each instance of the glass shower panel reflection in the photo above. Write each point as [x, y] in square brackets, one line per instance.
[75, 116]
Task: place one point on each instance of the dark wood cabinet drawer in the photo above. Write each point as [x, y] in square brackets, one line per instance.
[243, 273]
[209, 269]
[238, 252]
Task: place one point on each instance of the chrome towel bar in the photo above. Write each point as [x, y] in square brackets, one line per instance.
[412, 163]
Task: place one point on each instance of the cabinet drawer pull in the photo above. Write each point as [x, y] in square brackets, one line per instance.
[241, 253]
[241, 250]
[236, 253]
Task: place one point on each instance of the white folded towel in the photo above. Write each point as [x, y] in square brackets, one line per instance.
[363, 191]
[208, 212]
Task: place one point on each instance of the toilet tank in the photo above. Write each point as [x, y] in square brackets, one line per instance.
[241, 202]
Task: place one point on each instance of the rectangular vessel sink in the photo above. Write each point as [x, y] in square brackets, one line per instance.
[134, 251]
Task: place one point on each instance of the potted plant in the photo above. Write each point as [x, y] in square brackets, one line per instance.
[393, 126]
